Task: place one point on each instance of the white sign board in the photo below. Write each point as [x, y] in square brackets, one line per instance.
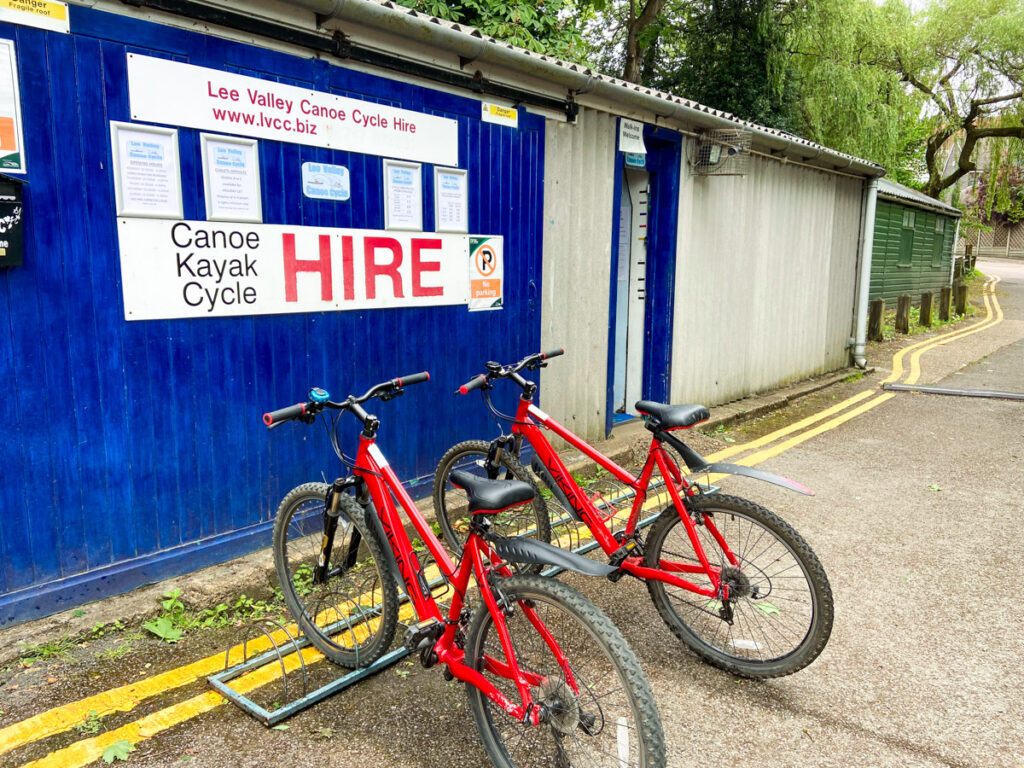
[231, 178]
[12, 142]
[147, 174]
[451, 200]
[323, 181]
[173, 269]
[44, 14]
[631, 137]
[162, 91]
[403, 196]
[486, 273]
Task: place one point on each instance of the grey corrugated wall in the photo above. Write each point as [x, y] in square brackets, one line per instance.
[765, 277]
[579, 163]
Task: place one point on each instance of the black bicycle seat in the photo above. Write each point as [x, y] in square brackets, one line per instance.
[491, 496]
[674, 416]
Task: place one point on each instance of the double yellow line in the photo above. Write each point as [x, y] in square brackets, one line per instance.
[993, 316]
[127, 697]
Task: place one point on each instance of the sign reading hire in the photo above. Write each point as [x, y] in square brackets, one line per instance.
[173, 269]
[173, 93]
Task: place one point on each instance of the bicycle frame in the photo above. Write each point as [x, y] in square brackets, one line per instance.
[528, 422]
[381, 483]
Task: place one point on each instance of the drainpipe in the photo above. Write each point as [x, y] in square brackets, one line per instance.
[864, 282]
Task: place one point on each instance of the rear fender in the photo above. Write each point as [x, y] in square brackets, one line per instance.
[533, 552]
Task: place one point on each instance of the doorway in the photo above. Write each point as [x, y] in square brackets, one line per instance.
[631, 291]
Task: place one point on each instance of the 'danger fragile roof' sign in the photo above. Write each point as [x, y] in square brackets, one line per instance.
[172, 269]
[173, 93]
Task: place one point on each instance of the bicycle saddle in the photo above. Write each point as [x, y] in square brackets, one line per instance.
[491, 496]
[674, 416]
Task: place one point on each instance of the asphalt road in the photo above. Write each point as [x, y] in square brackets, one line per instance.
[918, 522]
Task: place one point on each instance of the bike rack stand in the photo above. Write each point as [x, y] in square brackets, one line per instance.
[278, 654]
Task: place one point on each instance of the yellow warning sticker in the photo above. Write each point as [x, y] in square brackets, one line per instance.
[45, 14]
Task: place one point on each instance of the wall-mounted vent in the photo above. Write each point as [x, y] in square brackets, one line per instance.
[724, 152]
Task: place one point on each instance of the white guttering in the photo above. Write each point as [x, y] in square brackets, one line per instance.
[864, 279]
[471, 47]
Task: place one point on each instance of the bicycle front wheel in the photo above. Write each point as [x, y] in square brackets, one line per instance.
[349, 612]
[781, 601]
[452, 508]
[602, 713]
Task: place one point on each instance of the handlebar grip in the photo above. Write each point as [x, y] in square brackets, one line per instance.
[474, 383]
[415, 378]
[284, 414]
[552, 353]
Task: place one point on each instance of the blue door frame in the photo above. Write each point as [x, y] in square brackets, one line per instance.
[664, 157]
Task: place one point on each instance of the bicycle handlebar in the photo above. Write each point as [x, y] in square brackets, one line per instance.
[284, 414]
[475, 383]
[319, 399]
[497, 371]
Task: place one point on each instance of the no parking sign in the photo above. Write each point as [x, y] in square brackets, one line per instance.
[486, 273]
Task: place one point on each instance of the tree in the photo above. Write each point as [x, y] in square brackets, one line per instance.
[545, 26]
[966, 58]
[732, 55]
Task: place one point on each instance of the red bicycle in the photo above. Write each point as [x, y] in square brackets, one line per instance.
[731, 579]
[550, 679]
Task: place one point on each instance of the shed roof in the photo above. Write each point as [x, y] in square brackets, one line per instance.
[430, 30]
[890, 190]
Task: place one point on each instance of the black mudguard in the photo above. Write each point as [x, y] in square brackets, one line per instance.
[696, 463]
[738, 469]
[531, 551]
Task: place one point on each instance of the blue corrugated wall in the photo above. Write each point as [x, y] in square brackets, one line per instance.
[134, 451]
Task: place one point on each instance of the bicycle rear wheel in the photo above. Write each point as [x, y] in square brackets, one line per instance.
[782, 602]
[451, 507]
[604, 716]
[350, 613]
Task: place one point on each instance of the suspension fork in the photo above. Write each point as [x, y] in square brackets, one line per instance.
[331, 513]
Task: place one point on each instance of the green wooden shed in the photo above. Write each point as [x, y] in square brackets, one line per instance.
[913, 247]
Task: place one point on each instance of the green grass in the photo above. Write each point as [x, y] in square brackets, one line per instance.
[54, 649]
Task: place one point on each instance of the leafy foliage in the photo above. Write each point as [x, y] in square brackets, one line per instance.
[119, 750]
[545, 26]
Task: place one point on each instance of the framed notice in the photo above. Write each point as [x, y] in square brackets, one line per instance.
[12, 146]
[451, 200]
[147, 173]
[403, 196]
[231, 178]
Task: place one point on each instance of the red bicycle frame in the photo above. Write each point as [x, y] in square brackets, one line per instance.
[478, 560]
[529, 416]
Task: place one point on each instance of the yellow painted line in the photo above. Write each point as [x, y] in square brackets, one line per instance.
[994, 316]
[795, 427]
[86, 751]
[123, 698]
[897, 361]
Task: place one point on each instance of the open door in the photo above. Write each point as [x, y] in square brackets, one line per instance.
[631, 291]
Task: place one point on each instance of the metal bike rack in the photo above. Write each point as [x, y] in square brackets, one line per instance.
[279, 653]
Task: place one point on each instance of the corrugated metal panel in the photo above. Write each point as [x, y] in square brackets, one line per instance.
[890, 275]
[578, 191]
[765, 283]
[137, 448]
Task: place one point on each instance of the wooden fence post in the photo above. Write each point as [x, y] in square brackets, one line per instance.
[960, 298]
[944, 296]
[925, 318]
[877, 312]
[968, 257]
[903, 314]
[958, 268]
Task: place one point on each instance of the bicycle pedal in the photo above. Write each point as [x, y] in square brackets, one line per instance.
[421, 636]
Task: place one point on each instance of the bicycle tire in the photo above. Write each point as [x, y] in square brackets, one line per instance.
[747, 647]
[620, 727]
[351, 617]
[449, 502]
